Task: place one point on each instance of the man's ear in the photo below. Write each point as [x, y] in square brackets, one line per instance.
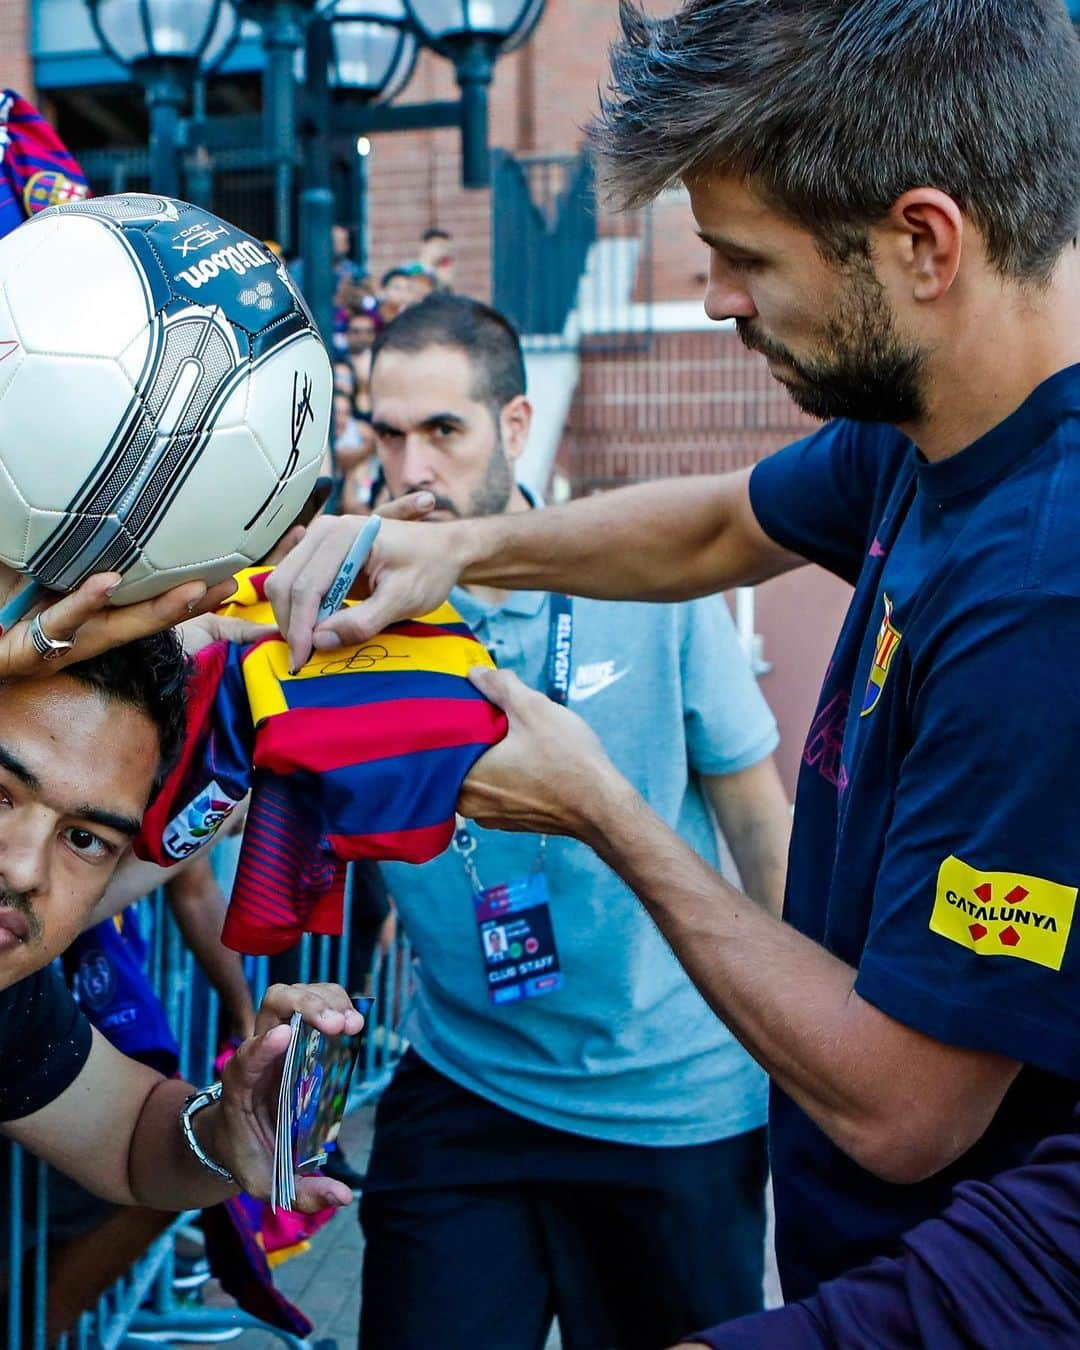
[922, 240]
[515, 420]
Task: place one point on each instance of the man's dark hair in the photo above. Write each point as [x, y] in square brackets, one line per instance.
[434, 233]
[833, 109]
[149, 674]
[487, 339]
[387, 277]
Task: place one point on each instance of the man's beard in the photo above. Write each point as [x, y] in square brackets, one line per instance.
[490, 498]
[870, 375]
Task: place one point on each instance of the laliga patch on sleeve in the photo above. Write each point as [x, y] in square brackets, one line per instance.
[199, 821]
[1003, 913]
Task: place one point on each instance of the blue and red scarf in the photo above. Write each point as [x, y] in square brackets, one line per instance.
[36, 168]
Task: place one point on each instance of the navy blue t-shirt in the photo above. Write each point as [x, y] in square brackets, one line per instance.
[936, 843]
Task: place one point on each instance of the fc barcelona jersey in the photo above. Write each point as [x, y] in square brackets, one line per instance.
[360, 754]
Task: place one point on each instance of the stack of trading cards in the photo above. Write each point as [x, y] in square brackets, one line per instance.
[315, 1082]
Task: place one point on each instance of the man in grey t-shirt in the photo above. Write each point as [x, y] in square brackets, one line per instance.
[573, 1131]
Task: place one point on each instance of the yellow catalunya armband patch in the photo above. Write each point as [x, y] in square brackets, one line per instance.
[1003, 913]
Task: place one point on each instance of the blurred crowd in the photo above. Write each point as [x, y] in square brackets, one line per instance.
[364, 304]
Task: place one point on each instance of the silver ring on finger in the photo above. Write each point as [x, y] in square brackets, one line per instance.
[49, 648]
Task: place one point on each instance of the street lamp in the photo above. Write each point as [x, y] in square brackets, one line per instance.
[472, 34]
[164, 43]
[282, 24]
[373, 51]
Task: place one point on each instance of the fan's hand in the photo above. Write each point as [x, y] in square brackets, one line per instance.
[96, 625]
[245, 1120]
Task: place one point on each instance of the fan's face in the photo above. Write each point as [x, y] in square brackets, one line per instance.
[435, 436]
[76, 771]
[398, 293]
[361, 332]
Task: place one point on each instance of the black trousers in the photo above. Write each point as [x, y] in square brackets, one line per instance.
[481, 1226]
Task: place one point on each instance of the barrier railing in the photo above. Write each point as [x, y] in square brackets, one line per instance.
[141, 1307]
[569, 274]
[543, 223]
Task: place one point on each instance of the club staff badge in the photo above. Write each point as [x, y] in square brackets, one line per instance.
[885, 649]
[1003, 913]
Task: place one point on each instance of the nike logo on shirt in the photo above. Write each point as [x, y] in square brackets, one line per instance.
[593, 679]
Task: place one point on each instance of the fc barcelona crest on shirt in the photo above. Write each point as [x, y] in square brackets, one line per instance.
[886, 647]
[50, 187]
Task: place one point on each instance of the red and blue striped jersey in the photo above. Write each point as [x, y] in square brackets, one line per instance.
[360, 754]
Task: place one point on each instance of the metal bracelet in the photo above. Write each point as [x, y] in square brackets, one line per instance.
[194, 1103]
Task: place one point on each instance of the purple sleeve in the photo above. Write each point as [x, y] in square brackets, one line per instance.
[791, 1328]
[1010, 1244]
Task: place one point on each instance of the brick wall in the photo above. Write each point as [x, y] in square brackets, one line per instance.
[415, 182]
[15, 65]
[677, 403]
[680, 261]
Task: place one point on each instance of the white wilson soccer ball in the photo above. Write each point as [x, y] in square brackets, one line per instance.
[164, 396]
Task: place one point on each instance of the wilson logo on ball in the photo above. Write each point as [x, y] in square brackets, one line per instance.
[237, 258]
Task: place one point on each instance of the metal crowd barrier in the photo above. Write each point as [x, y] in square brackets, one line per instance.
[142, 1308]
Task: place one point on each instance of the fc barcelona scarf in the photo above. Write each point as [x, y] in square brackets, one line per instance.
[36, 169]
[360, 754]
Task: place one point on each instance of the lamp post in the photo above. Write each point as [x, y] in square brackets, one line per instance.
[473, 34]
[361, 249]
[359, 52]
[164, 44]
[373, 56]
[282, 23]
[373, 48]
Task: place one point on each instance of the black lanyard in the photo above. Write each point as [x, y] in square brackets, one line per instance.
[560, 649]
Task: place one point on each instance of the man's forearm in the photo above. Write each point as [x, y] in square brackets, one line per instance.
[754, 816]
[760, 856]
[670, 540]
[861, 1076]
[781, 994]
[163, 1172]
[226, 974]
[132, 879]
